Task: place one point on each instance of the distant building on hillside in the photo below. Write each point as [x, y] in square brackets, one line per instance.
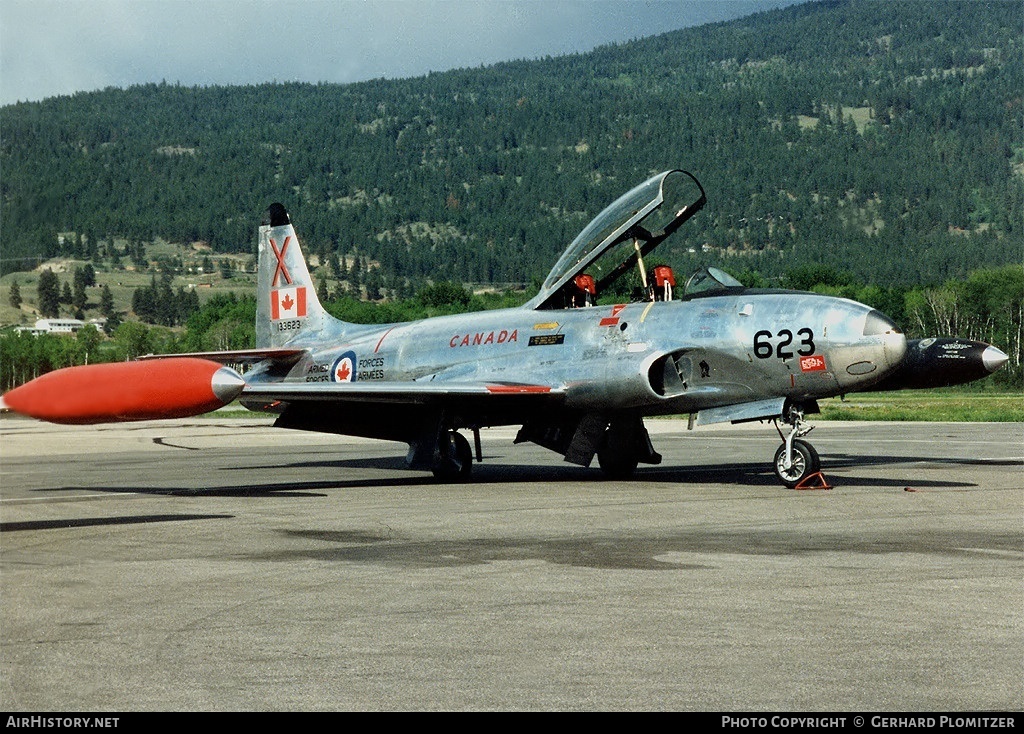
[60, 326]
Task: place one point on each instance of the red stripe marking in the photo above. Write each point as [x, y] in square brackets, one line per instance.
[609, 321]
[382, 339]
[518, 389]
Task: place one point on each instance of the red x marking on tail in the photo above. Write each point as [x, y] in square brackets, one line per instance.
[281, 267]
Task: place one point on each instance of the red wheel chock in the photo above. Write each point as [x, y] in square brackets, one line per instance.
[805, 483]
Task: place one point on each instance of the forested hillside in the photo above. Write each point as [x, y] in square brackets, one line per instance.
[882, 139]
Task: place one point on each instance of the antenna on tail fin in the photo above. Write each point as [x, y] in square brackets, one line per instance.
[288, 312]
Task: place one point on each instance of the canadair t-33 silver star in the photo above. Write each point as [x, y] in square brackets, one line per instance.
[578, 377]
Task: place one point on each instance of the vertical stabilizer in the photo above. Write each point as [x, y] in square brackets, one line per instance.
[288, 311]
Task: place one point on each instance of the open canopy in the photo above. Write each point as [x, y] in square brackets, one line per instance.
[622, 234]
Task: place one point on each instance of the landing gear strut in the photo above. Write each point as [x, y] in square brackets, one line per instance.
[796, 459]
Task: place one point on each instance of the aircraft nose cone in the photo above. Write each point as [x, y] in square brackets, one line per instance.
[993, 358]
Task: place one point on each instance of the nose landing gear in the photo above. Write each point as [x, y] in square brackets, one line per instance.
[796, 460]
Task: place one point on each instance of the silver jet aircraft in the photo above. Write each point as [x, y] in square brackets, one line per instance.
[579, 377]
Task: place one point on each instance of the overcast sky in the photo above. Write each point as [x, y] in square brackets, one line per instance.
[54, 47]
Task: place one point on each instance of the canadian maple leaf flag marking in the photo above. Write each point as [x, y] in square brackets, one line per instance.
[288, 303]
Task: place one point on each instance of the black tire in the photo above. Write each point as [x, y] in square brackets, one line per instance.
[615, 463]
[805, 462]
[455, 463]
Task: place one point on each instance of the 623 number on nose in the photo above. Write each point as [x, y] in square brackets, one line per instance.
[764, 349]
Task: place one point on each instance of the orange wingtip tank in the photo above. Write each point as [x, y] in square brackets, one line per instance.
[127, 391]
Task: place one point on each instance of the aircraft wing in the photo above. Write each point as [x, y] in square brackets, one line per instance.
[392, 392]
[398, 411]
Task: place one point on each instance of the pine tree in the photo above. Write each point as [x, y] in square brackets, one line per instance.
[15, 297]
[49, 294]
[78, 297]
[106, 302]
[107, 309]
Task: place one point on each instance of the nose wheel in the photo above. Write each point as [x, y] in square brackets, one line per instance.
[795, 460]
[802, 463]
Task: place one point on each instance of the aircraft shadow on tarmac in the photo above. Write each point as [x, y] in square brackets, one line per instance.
[85, 522]
[290, 489]
[831, 460]
[749, 474]
[755, 473]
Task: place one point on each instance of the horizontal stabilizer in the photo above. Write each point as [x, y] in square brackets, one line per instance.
[284, 355]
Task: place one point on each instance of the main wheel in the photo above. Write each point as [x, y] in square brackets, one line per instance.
[616, 461]
[805, 462]
[455, 462]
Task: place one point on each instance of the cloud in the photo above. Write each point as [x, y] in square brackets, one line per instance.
[52, 47]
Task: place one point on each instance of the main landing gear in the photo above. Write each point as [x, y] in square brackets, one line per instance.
[453, 459]
[796, 460]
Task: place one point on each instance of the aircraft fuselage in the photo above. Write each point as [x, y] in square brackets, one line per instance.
[652, 357]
